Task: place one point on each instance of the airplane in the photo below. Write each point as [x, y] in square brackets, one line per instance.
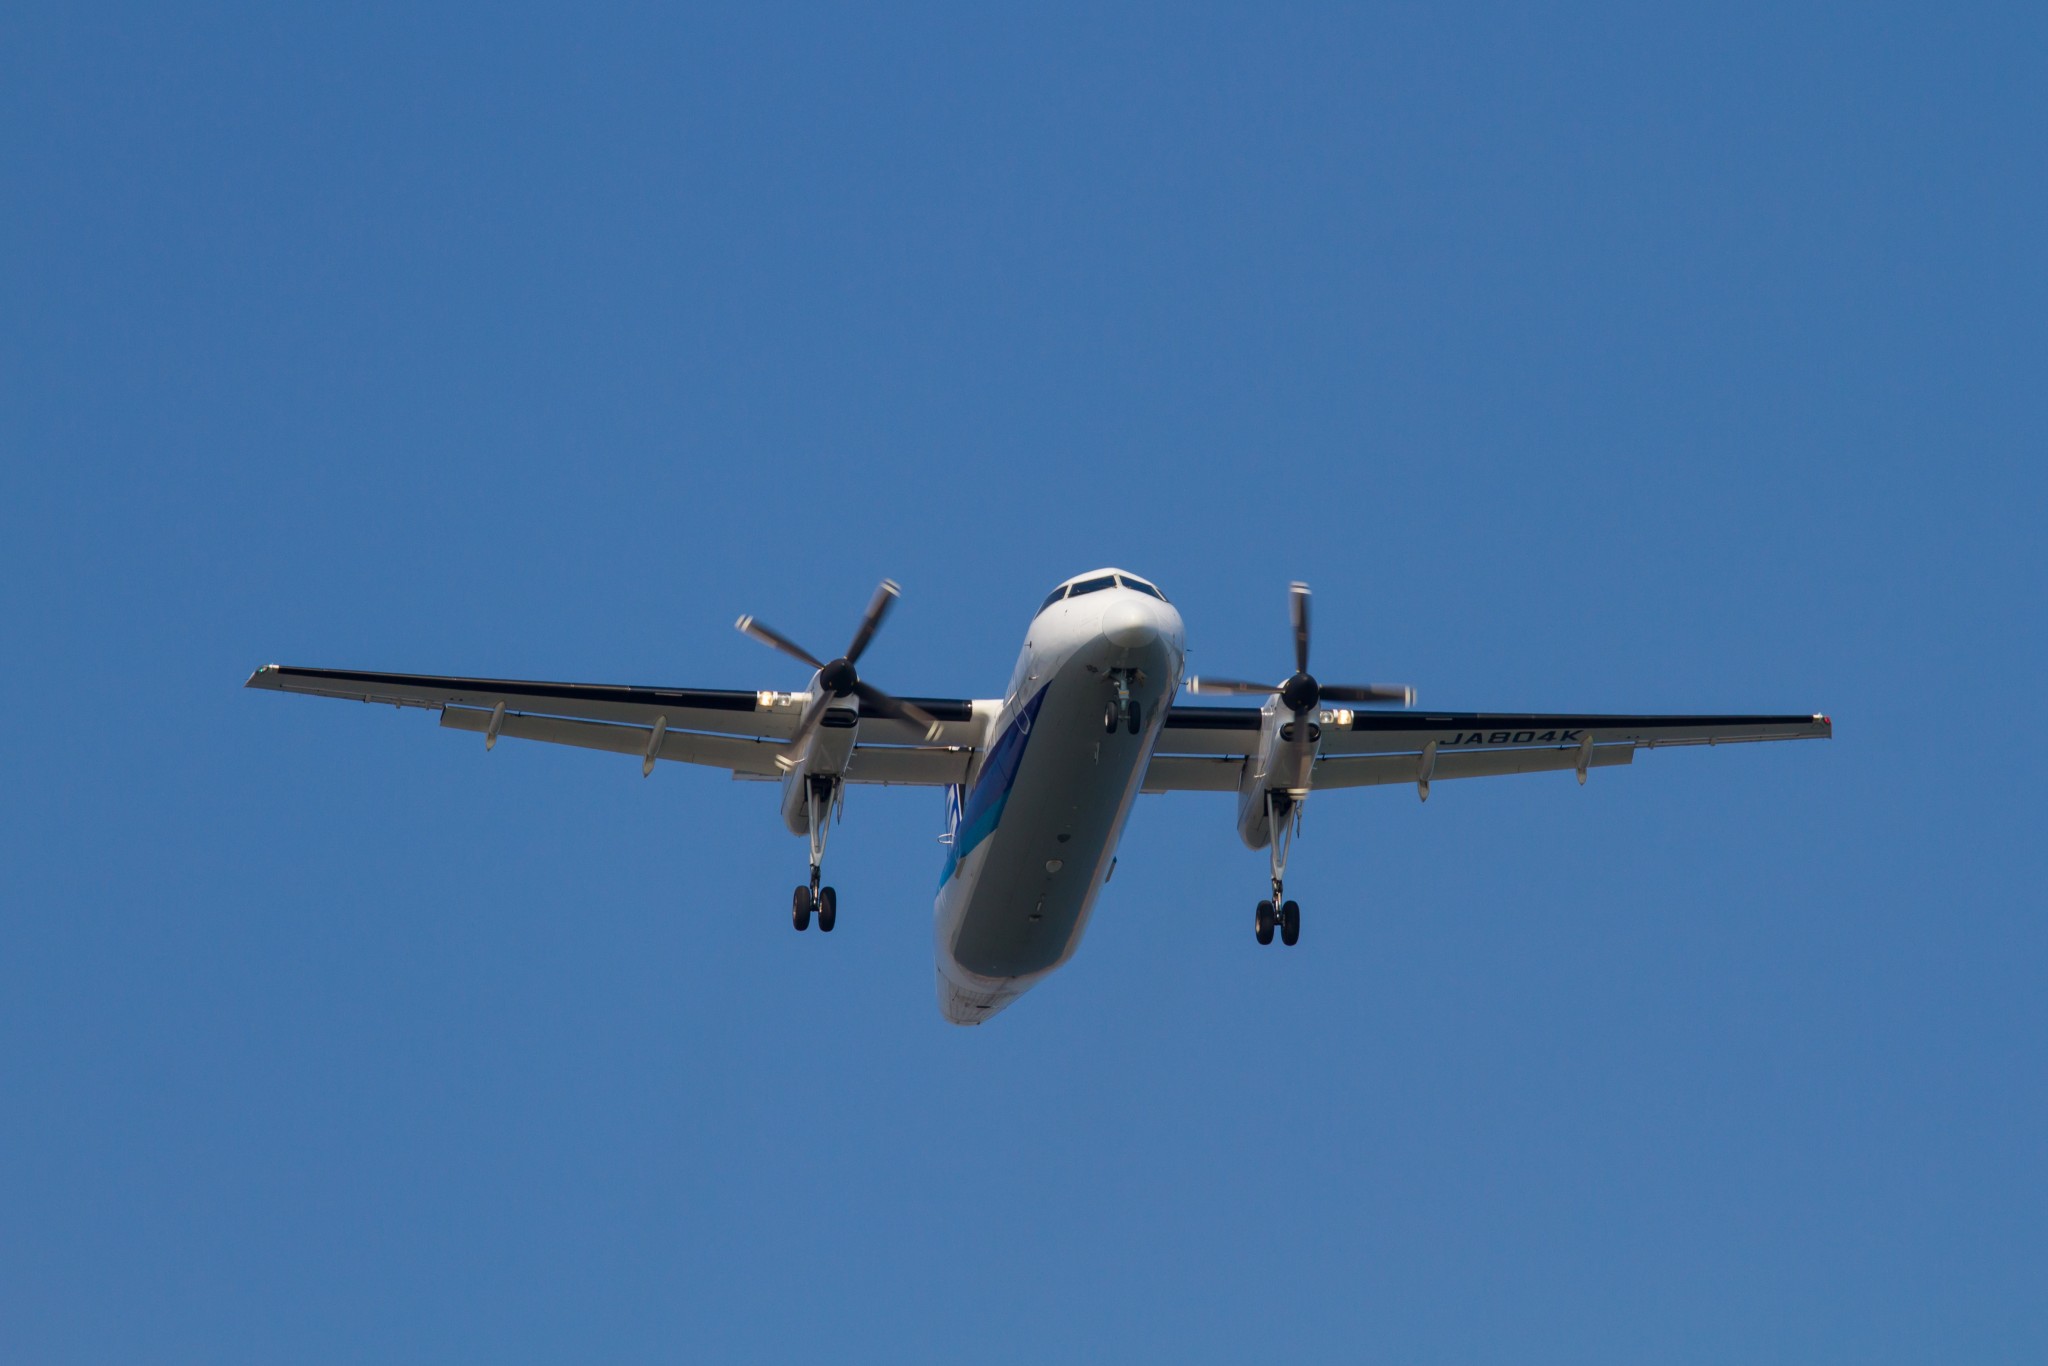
[1040, 782]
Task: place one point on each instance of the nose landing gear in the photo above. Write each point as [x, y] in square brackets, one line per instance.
[1123, 709]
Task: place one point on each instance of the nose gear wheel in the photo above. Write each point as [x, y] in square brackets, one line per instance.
[1123, 709]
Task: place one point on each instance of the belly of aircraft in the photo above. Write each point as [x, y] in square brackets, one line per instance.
[1019, 902]
[1039, 869]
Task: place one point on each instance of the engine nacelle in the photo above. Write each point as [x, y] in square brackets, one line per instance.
[826, 756]
[1283, 765]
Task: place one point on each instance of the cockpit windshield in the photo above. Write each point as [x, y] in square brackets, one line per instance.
[1097, 584]
[1140, 586]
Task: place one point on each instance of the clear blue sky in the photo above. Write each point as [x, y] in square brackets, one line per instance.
[1591, 359]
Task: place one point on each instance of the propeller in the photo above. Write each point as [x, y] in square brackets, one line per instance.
[838, 678]
[1300, 693]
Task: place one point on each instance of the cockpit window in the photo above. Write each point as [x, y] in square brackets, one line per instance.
[1092, 585]
[1139, 585]
[1053, 597]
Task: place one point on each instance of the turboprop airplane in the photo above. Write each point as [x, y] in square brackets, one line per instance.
[1040, 781]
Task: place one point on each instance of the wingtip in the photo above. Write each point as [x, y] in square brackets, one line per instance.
[260, 677]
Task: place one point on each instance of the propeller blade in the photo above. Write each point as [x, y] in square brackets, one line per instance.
[793, 752]
[1297, 611]
[1369, 692]
[878, 607]
[775, 640]
[1229, 687]
[872, 696]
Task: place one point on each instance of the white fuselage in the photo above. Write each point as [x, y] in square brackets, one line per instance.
[1034, 832]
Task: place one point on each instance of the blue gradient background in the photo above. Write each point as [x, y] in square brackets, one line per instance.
[1593, 359]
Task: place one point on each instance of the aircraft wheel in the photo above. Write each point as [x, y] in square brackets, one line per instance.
[1262, 923]
[1290, 924]
[1131, 721]
[1109, 719]
[800, 908]
[828, 909]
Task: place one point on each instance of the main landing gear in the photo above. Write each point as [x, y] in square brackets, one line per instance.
[819, 796]
[1283, 816]
[823, 900]
[1287, 920]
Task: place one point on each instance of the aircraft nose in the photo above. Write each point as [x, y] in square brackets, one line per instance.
[1129, 624]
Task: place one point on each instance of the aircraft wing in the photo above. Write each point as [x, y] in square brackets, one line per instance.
[738, 731]
[1204, 749]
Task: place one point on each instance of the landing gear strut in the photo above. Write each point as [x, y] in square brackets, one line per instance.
[1283, 817]
[1123, 709]
[820, 795]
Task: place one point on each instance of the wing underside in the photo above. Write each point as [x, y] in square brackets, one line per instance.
[1201, 749]
[1204, 749]
[741, 732]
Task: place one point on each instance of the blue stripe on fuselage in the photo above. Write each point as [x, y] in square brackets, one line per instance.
[984, 805]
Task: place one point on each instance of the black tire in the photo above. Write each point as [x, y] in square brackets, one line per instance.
[1109, 719]
[1134, 719]
[800, 908]
[828, 910]
[1262, 922]
[1290, 924]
